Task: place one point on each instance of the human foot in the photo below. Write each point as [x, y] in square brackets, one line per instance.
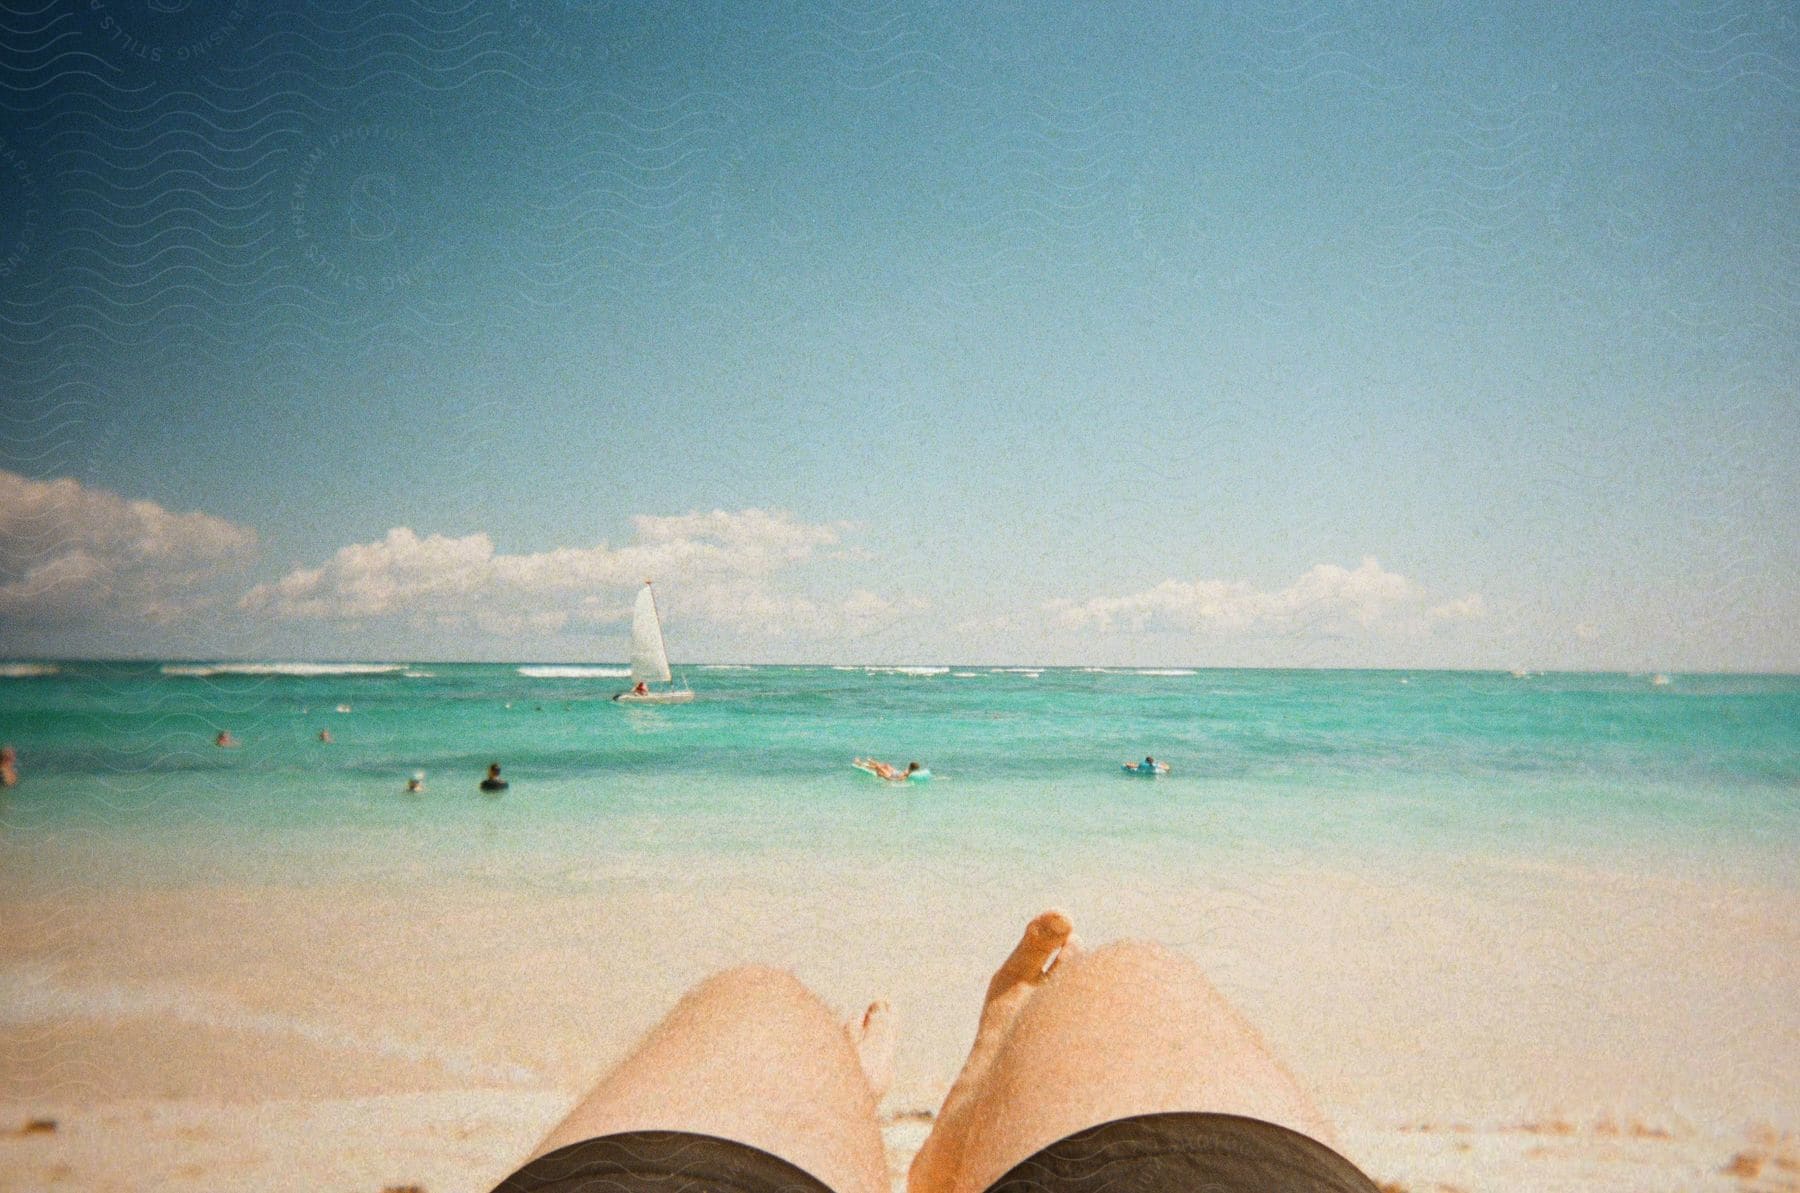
[872, 1035]
[1047, 940]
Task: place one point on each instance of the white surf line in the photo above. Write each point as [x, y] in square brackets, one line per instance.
[32, 994]
[302, 670]
[570, 672]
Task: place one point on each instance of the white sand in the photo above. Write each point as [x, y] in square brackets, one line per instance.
[1470, 1026]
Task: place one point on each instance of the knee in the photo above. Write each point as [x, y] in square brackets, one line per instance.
[1122, 958]
[762, 990]
[1134, 968]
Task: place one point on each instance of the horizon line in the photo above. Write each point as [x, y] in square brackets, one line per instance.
[1125, 667]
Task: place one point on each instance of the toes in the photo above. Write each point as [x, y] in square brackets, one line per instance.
[1050, 925]
[1071, 948]
[874, 1036]
[1044, 936]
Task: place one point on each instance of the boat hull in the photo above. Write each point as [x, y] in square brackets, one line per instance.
[681, 697]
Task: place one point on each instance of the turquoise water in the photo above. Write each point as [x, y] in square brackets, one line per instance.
[1342, 764]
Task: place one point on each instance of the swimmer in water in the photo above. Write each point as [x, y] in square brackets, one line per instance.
[225, 741]
[325, 736]
[415, 784]
[493, 782]
[9, 767]
[882, 770]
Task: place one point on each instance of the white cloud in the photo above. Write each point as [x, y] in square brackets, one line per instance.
[376, 579]
[752, 537]
[68, 551]
[1469, 608]
[722, 565]
[1326, 597]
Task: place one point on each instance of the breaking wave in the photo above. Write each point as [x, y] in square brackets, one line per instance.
[300, 669]
[575, 672]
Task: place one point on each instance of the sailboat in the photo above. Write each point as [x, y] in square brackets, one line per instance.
[649, 660]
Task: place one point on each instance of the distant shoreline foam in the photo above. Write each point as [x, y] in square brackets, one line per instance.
[561, 672]
[302, 670]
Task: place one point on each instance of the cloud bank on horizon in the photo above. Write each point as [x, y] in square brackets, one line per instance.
[726, 563]
[69, 552]
[1327, 597]
[73, 558]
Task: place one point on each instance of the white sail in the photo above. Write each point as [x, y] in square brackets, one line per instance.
[649, 661]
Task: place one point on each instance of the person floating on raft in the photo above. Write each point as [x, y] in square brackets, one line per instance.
[914, 773]
[1149, 766]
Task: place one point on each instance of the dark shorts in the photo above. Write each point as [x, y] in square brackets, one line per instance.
[1152, 1153]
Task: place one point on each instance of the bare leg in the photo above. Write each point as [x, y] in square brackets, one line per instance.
[753, 1055]
[1129, 1029]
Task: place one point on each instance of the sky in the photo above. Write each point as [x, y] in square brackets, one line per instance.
[1204, 335]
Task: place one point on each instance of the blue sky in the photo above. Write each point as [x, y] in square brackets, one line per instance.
[1239, 335]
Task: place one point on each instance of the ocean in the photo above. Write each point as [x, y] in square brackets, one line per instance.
[1686, 773]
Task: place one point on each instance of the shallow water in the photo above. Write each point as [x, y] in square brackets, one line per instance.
[1700, 773]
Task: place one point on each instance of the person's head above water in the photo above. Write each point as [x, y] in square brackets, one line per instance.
[493, 770]
[911, 767]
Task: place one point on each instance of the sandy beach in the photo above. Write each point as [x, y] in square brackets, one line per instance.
[1470, 1024]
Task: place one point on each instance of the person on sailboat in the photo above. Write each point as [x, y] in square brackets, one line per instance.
[649, 656]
